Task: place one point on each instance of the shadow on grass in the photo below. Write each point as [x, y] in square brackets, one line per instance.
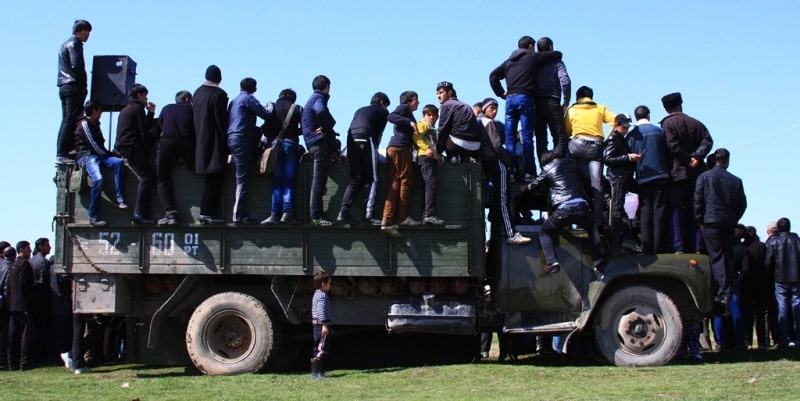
[757, 355]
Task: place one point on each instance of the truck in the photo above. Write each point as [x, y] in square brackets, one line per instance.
[231, 299]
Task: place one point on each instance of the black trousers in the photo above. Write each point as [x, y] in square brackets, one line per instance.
[549, 114]
[142, 166]
[20, 339]
[653, 201]
[170, 149]
[618, 223]
[212, 195]
[428, 167]
[72, 98]
[79, 343]
[359, 157]
[4, 317]
[719, 244]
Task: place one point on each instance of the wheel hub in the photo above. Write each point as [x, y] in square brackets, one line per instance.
[639, 330]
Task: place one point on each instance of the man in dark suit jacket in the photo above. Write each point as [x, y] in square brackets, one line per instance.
[21, 296]
[211, 153]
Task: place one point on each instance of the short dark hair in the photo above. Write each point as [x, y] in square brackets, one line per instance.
[248, 85]
[544, 44]
[548, 157]
[320, 82]
[752, 233]
[40, 242]
[380, 98]
[137, 89]
[3, 246]
[320, 277]
[23, 244]
[784, 225]
[525, 42]
[91, 106]
[81, 25]
[430, 109]
[288, 94]
[584, 91]
[722, 157]
[9, 253]
[408, 96]
[641, 112]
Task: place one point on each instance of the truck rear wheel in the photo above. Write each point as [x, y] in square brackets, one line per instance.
[230, 333]
[638, 326]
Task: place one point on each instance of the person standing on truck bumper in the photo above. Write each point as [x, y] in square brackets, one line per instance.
[321, 318]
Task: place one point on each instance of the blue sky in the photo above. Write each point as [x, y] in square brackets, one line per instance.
[735, 62]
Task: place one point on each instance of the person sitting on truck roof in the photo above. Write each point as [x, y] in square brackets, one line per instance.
[459, 131]
[568, 205]
[92, 154]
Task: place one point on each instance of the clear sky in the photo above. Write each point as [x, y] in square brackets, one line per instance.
[735, 62]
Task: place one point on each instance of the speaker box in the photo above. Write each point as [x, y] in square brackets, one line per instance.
[112, 76]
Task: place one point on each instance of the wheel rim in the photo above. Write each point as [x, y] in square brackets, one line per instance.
[228, 335]
[640, 330]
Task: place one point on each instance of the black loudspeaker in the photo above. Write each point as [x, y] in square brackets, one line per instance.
[112, 76]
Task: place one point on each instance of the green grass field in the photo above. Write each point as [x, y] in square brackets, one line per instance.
[753, 375]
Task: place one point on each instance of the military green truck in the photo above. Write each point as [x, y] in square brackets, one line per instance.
[233, 299]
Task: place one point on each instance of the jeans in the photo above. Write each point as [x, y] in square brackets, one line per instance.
[283, 178]
[72, 99]
[319, 179]
[428, 167]
[402, 179]
[788, 297]
[521, 109]
[92, 164]
[589, 155]
[550, 114]
[243, 149]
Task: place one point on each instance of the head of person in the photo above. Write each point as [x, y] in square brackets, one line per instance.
[138, 92]
[672, 102]
[3, 246]
[24, 249]
[380, 99]
[641, 113]
[213, 74]
[526, 42]
[711, 160]
[183, 97]
[772, 229]
[544, 44]
[622, 122]
[445, 91]
[430, 113]
[783, 225]
[81, 29]
[321, 83]
[93, 109]
[9, 253]
[584, 91]
[477, 108]
[321, 278]
[248, 85]
[548, 157]
[288, 94]
[411, 99]
[751, 232]
[722, 157]
[740, 232]
[489, 108]
[42, 245]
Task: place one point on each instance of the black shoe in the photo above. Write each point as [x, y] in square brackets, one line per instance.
[97, 222]
[345, 218]
[139, 220]
[245, 221]
[210, 220]
[550, 269]
[722, 300]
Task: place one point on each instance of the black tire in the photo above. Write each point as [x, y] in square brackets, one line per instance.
[231, 333]
[638, 326]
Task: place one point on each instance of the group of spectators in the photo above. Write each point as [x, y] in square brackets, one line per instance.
[37, 326]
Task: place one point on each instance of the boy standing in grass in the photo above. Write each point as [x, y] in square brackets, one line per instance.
[428, 159]
[321, 315]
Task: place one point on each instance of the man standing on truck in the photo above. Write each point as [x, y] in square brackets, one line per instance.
[568, 205]
[72, 87]
[719, 203]
[553, 91]
[177, 141]
[211, 152]
[320, 139]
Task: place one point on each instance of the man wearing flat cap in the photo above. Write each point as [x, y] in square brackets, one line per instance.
[689, 142]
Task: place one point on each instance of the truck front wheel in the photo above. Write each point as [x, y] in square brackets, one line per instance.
[230, 333]
[638, 326]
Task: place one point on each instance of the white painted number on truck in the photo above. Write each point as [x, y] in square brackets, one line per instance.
[109, 241]
[166, 244]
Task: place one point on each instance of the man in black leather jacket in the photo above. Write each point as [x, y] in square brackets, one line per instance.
[72, 87]
[783, 262]
[568, 206]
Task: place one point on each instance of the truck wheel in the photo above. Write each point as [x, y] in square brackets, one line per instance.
[638, 326]
[230, 333]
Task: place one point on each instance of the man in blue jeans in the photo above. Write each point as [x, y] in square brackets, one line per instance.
[519, 71]
[783, 261]
[92, 154]
[320, 139]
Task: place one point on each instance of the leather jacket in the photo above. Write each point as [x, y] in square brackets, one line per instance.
[563, 179]
[719, 197]
[783, 257]
[615, 156]
[71, 66]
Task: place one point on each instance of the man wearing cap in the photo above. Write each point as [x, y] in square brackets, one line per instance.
[689, 142]
[459, 132]
[719, 203]
[177, 141]
[620, 161]
[519, 71]
[652, 179]
[72, 87]
[584, 123]
[210, 115]
[783, 263]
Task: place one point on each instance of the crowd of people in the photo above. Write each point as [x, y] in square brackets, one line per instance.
[686, 203]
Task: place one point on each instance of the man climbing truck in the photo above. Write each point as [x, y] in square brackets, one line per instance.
[237, 296]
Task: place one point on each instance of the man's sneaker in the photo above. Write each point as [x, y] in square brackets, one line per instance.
[518, 239]
[170, 219]
[62, 160]
[409, 222]
[288, 218]
[67, 361]
[321, 222]
[631, 245]
[139, 220]
[552, 268]
[271, 220]
[121, 203]
[374, 222]
[345, 218]
[209, 220]
[81, 371]
[432, 221]
[97, 222]
[528, 177]
[391, 231]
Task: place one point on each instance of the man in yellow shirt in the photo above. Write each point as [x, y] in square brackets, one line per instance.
[584, 124]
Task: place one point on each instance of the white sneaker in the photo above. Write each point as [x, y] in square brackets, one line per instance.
[81, 371]
[67, 361]
[518, 239]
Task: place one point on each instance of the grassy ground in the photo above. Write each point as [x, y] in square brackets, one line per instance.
[753, 375]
